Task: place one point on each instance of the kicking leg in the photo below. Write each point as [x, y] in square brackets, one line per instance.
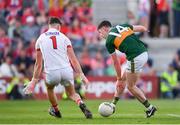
[132, 78]
[54, 111]
[75, 97]
[131, 84]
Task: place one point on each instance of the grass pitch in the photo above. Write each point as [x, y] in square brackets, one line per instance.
[127, 112]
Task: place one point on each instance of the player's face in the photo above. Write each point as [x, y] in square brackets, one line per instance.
[103, 32]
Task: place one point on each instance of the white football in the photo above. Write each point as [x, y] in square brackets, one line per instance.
[106, 109]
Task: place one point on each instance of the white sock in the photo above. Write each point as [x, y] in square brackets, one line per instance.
[150, 107]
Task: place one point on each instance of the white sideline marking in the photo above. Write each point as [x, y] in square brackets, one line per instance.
[174, 115]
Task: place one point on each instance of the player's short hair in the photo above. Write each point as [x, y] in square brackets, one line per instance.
[54, 20]
[104, 23]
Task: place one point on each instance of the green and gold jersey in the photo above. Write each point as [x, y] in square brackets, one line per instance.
[122, 38]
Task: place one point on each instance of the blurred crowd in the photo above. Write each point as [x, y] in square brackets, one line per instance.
[21, 22]
[170, 78]
[162, 17]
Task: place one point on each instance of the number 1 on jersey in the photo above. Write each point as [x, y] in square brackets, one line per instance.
[53, 38]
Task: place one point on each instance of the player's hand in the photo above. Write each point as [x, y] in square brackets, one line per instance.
[29, 89]
[84, 79]
[120, 86]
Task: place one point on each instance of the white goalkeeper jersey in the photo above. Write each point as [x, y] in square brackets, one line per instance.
[53, 46]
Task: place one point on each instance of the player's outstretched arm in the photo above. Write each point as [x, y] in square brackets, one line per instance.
[37, 66]
[76, 65]
[139, 28]
[36, 74]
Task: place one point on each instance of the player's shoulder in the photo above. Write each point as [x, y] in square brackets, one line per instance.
[41, 36]
[64, 36]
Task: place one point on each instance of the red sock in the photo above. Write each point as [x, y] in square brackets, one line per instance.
[55, 107]
[79, 101]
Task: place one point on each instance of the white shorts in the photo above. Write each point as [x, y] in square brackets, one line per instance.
[137, 63]
[63, 76]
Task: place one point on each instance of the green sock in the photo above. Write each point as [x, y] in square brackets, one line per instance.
[146, 103]
[115, 100]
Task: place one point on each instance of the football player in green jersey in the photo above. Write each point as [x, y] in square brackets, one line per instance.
[122, 38]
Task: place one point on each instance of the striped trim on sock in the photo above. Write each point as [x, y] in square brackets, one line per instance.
[79, 101]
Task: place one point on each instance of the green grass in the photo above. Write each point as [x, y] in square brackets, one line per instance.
[127, 112]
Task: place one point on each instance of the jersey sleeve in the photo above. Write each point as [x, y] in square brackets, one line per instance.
[68, 42]
[110, 46]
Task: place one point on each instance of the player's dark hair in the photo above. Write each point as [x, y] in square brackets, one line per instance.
[104, 23]
[54, 20]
